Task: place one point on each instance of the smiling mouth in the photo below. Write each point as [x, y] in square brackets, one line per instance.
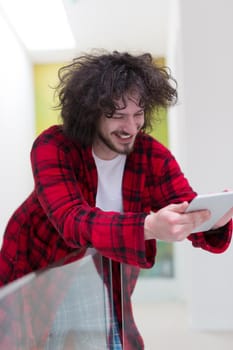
[123, 136]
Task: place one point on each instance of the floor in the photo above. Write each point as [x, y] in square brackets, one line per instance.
[164, 326]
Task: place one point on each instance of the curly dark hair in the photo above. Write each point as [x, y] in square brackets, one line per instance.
[91, 85]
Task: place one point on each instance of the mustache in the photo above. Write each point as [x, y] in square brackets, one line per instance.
[124, 133]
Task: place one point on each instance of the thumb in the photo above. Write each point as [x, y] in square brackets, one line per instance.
[179, 208]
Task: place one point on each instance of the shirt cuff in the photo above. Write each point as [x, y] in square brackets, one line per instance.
[214, 241]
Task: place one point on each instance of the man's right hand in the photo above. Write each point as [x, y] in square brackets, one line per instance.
[171, 223]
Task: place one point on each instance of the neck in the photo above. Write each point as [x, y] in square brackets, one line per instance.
[103, 152]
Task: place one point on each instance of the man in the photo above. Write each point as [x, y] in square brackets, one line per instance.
[102, 182]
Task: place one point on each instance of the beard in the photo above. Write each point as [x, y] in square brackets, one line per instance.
[124, 149]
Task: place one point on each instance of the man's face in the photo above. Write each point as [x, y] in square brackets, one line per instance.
[116, 135]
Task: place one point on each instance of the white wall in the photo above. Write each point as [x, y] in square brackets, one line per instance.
[201, 128]
[16, 123]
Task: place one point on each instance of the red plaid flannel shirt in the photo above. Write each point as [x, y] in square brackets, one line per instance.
[60, 217]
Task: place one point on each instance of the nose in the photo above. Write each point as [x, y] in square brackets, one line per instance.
[131, 125]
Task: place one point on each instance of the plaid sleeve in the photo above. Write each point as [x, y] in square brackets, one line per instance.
[117, 236]
[215, 241]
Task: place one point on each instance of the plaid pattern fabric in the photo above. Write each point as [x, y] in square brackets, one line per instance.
[59, 217]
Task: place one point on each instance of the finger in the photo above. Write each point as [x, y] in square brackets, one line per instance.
[225, 219]
[196, 218]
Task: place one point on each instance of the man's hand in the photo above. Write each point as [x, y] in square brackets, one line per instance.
[171, 223]
[224, 220]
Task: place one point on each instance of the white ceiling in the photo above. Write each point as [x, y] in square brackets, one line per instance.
[121, 25]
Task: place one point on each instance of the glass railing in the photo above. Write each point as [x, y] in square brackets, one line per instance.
[84, 304]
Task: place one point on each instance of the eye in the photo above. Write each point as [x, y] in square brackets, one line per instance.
[139, 114]
[108, 115]
[117, 116]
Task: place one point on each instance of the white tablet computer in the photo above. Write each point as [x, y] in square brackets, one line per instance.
[217, 203]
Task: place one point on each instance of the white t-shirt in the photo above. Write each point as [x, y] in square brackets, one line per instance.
[109, 189]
